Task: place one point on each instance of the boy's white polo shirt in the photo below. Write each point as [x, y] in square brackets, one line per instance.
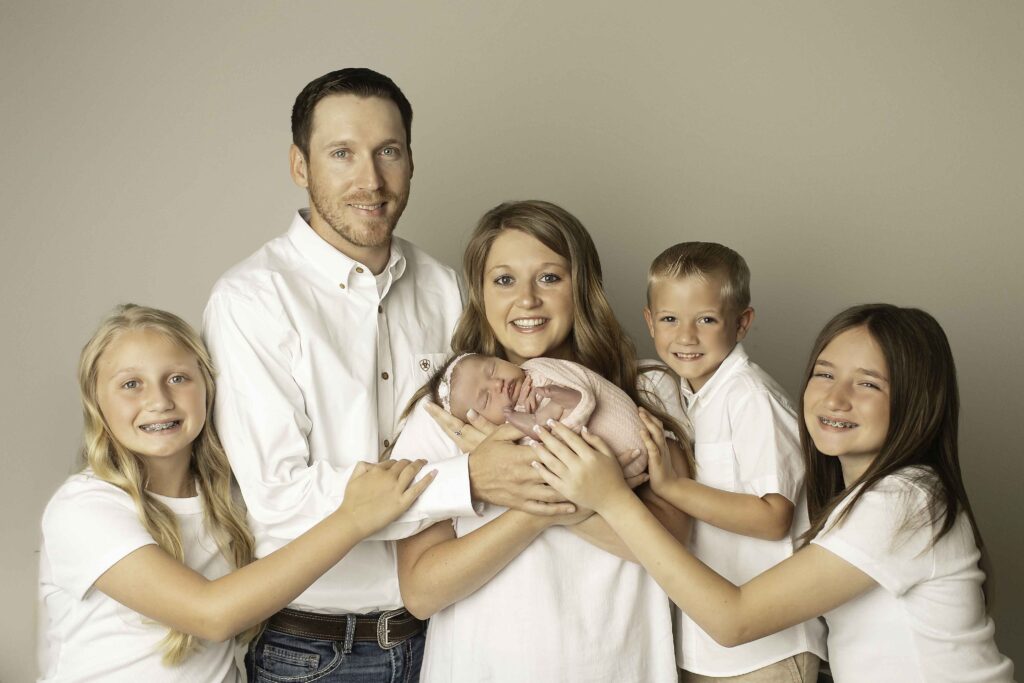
[746, 441]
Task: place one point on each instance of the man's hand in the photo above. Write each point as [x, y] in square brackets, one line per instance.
[500, 473]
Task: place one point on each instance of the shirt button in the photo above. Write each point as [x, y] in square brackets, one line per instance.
[380, 309]
[384, 375]
[342, 285]
[359, 269]
[386, 443]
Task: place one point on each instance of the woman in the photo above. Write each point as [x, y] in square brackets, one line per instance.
[516, 597]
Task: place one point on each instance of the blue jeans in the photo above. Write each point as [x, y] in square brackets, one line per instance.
[277, 657]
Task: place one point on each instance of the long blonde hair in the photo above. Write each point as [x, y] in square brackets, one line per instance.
[115, 464]
[596, 339]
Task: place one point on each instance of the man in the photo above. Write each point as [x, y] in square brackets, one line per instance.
[320, 338]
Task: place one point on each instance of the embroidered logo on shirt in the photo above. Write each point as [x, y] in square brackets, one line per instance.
[425, 364]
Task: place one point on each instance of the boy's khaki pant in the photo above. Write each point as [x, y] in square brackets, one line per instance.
[801, 668]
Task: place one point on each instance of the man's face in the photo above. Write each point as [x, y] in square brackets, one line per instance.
[357, 172]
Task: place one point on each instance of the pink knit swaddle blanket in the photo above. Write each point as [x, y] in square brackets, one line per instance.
[604, 408]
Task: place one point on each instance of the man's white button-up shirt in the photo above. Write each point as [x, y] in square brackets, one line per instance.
[316, 359]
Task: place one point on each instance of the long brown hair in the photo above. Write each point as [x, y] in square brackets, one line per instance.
[924, 407]
[115, 464]
[596, 339]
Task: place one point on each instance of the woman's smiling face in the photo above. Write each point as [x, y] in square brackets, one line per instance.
[527, 293]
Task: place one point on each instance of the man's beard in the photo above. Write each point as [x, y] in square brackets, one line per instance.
[372, 231]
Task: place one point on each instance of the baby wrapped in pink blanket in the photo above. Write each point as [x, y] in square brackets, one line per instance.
[544, 388]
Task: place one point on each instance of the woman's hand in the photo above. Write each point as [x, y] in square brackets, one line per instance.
[583, 469]
[467, 436]
[378, 494]
[663, 468]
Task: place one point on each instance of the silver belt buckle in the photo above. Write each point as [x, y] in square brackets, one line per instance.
[384, 629]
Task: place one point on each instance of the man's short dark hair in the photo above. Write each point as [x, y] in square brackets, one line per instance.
[351, 81]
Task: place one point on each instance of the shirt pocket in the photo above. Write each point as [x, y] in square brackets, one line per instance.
[716, 464]
[424, 365]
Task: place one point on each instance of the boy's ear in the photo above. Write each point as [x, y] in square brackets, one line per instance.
[743, 323]
[297, 166]
[650, 321]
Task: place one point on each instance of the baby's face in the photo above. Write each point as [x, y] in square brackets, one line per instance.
[486, 384]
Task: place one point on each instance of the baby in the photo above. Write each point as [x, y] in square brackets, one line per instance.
[539, 390]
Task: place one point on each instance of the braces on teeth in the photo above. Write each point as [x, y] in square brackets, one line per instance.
[836, 423]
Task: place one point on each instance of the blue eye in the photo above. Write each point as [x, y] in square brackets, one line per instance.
[131, 384]
[340, 154]
[389, 151]
[503, 280]
[178, 379]
[549, 278]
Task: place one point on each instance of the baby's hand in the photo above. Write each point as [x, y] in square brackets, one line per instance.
[564, 397]
[378, 494]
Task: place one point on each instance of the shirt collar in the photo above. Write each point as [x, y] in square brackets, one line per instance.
[737, 357]
[332, 263]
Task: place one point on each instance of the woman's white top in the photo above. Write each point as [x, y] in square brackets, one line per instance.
[926, 619]
[563, 610]
[88, 526]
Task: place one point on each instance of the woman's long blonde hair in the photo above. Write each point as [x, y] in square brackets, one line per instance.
[596, 339]
[115, 464]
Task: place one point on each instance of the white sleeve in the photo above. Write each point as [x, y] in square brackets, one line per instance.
[88, 527]
[874, 538]
[422, 437]
[766, 443]
[263, 425]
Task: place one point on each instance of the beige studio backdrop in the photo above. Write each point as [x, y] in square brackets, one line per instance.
[853, 152]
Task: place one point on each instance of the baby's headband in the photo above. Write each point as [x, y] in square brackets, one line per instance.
[444, 389]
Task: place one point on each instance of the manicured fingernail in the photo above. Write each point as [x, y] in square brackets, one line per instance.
[536, 428]
[535, 465]
[585, 430]
[432, 473]
[550, 422]
[471, 413]
[636, 451]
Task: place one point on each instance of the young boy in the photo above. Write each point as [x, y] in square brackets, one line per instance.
[746, 498]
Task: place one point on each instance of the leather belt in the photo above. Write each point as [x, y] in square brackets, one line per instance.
[387, 629]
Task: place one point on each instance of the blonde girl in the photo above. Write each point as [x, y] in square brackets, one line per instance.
[893, 558]
[146, 568]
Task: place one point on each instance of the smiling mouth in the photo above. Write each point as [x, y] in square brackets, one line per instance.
[367, 207]
[154, 427]
[688, 356]
[528, 323]
[837, 424]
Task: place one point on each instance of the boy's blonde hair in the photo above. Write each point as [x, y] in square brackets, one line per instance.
[704, 260]
[115, 464]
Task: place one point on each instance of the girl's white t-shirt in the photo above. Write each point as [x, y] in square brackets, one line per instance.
[926, 620]
[562, 610]
[88, 526]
